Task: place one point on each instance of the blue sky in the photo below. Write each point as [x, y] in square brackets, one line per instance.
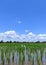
[31, 13]
[23, 16]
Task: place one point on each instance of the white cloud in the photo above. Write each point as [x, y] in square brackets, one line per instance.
[19, 22]
[10, 32]
[26, 30]
[14, 36]
[42, 35]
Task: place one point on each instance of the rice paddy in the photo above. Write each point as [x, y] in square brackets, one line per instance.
[22, 54]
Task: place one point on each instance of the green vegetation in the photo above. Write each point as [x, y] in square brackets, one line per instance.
[19, 48]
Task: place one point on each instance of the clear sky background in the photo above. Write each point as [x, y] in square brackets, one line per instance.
[31, 14]
[23, 16]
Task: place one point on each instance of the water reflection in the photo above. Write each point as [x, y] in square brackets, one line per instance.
[22, 56]
[44, 57]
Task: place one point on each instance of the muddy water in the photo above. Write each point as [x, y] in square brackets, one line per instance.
[23, 57]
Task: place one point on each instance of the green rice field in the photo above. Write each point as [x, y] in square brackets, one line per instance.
[22, 53]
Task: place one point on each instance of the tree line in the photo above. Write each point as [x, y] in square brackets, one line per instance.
[21, 42]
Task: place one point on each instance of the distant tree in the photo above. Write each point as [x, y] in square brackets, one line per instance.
[17, 42]
[7, 41]
[14, 42]
[24, 42]
[43, 41]
[10, 41]
[1, 41]
[37, 42]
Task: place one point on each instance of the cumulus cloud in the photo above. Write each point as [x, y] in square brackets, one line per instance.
[19, 22]
[14, 36]
[26, 30]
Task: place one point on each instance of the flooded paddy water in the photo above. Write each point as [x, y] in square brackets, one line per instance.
[22, 55]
